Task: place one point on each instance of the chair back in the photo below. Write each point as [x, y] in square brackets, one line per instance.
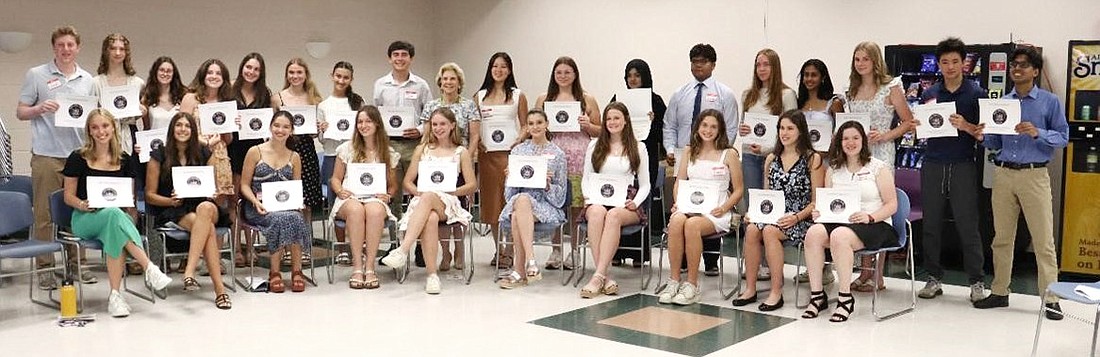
[900, 217]
[60, 213]
[21, 184]
[17, 212]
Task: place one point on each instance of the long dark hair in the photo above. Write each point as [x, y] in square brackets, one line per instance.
[836, 156]
[552, 90]
[150, 95]
[539, 112]
[193, 151]
[824, 91]
[354, 100]
[261, 93]
[603, 142]
[642, 67]
[803, 145]
[509, 83]
[198, 84]
[721, 141]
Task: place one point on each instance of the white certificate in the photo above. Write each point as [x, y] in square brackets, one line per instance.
[698, 196]
[282, 195]
[821, 134]
[563, 116]
[72, 110]
[106, 192]
[341, 124]
[305, 118]
[365, 179]
[605, 189]
[1000, 116]
[218, 118]
[438, 176]
[149, 141]
[766, 206]
[193, 181]
[934, 120]
[836, 204]
[862, 118]
[498, 134]
[762, 129]
[397, 119]
[254, 123]
[121, 101]
[639, 102]
[527, 171]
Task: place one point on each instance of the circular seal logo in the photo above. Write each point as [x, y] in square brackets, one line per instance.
[437, 177]
[561, 117]
[395, 121]
[366, 179]
[696, 197]
[814, 135]
[218, 118]
[194, 181]
[527, 171]
[120, 102]
[607, 190]
[837, 206]
[156, 144]
[766, 207]
[109, 194]
[75, 111]
[936, 121]
[498, 136]
[999, 116]
[343, 125]
[282, 196]
[299, 119]
[759, 129]
[255, 124]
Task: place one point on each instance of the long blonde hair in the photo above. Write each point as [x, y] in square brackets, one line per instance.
[880, 74]
[312, 94]
[429, 140]
[775, 84]
[114, 149]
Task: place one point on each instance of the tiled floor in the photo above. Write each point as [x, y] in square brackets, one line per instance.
[539, 320]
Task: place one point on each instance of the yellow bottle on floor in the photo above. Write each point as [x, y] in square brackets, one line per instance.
[68, 299]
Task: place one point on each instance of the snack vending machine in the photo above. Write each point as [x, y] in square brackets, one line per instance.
[1081, 162]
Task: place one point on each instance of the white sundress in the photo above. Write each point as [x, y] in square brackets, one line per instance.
[452, 207]
[713, 171]
[344, 153]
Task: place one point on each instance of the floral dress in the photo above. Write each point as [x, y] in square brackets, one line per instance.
[797, 192]
[882, 117]
[547, 204]
[281, 228]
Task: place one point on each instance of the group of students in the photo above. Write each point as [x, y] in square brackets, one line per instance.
[701, 118]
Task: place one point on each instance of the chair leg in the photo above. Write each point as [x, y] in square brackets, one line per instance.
[798, 270]
[1095, 328]
[662, 245]
[1039, 325]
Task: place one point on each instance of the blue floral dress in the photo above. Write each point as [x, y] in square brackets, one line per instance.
[797, 192]
[280, 228]
[547, 204]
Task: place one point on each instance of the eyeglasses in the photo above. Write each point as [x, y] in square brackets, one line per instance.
[1018, 64]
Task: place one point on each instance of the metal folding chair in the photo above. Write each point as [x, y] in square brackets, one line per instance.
[904, 230]
[543, 233]
[581, 235]
[240, 226]
[159, 236]
[1066, 291]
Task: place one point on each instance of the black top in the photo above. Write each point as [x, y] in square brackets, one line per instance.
[77, 167]
[164, 182]
[237, 149]
[962, 147]
[653, 142]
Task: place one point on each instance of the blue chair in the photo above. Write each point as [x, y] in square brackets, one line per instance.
[61, 215]
[1066, 291]
[543, 233]
[18, 217]
[581, 242]
[734, 234]
[163, 233]
[904, 230]
[21, 184]
[241, 226]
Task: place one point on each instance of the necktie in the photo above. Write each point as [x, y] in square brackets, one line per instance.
[5, 152]
[698, 103]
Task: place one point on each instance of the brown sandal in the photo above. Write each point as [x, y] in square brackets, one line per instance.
[370, 280]
[275, 282]
[222, 302]
[297, 281]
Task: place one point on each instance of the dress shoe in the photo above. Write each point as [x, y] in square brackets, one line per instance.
[743, 302]
[991, 301]
[765, 307]
[1053, 311]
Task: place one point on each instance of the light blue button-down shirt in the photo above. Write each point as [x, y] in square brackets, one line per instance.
[1042, 109]
[677, 130]
[43, 83]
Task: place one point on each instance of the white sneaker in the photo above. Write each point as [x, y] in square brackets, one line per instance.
[688, 294]
[433, 285]
[155, 278]
[396, 259]
[116, 305]
[977, 291]
[671, 288]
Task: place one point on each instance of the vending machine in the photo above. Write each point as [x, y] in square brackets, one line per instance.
[1081, 164]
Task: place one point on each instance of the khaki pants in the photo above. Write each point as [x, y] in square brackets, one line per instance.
[1026, 190]
[46, 177]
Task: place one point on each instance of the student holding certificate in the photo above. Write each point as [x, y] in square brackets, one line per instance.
[614, 152]
[710, 156]
[850, 165]
[528, 206]
[211, 85]
[102, 155]
[817, 100]
[116, 69]
[197, 215]
[162, 95]
[342, 99]
[251, 92]
[365, 215]
[274, 161]
[875, 92]
[794, 168]
[299, 90]
[498, 99]
[427, 210]
[565, 86]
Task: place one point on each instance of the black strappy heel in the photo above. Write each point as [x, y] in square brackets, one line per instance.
[847, 303]
[818, 303]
